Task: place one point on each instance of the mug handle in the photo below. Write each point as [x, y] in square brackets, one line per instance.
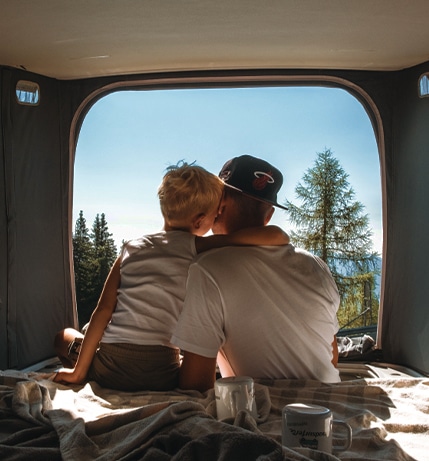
[347, 439]
[235, 394]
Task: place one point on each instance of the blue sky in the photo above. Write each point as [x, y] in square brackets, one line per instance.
[128, 139]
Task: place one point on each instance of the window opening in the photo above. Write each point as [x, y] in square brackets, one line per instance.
[137, 134]
[424, 86]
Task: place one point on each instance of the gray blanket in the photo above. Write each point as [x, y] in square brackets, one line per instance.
[43, 420]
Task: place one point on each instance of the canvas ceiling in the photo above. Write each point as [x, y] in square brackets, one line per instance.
[88, 38]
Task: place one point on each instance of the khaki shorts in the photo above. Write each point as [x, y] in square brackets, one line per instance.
[73, 350]
[132, 367]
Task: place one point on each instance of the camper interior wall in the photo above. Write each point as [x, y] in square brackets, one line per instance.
[36, 297]
[406, 312]
[3, 241]
[35, 276]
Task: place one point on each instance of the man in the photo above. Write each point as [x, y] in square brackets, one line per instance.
[270, 312]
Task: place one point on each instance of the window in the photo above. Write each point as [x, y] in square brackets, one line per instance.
[424, 86]
[129, 138]
[27, 93]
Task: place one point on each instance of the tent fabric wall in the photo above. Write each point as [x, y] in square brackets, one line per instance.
[3, 242]
[35, 275]
[406, 312]
[404, 322]
[38, 155]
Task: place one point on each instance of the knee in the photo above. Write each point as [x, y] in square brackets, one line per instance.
[63, 338]
[59, 340]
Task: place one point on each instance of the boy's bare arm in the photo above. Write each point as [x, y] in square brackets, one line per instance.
[262, 235]
[99, 320]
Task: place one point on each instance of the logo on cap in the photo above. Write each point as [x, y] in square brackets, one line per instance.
[262, 179]
[225, 175]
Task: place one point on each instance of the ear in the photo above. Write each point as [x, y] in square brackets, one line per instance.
[269, 215]
[197, 220]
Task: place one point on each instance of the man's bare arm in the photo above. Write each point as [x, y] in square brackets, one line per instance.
[335, 352]
[197, 372]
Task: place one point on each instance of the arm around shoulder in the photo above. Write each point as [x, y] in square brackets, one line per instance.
[261, 235]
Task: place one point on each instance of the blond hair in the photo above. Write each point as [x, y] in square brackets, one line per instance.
[186, 191]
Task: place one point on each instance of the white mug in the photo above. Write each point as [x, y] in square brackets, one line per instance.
[234, 394]
[310, 426]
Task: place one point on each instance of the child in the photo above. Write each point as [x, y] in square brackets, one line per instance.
[127, 343]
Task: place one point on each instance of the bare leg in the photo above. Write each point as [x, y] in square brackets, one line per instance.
[62, 342]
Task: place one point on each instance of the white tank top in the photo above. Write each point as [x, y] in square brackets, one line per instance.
[154, 271]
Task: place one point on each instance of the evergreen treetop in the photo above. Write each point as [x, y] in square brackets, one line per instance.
[93, 255]
[331, 224]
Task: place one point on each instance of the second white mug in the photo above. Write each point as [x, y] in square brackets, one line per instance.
[311, 426]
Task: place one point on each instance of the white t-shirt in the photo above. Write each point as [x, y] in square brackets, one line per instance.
[271, 310]
[154, 269]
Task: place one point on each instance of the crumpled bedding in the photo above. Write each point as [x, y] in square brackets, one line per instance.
[43, 420]
[359, 348]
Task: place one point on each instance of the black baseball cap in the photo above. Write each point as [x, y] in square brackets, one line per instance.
[253, 177]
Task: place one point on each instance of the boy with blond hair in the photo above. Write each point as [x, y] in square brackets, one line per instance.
[127, 342]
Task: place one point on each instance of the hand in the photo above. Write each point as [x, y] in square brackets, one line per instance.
[68, 376]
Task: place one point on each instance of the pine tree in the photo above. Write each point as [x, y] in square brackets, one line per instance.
[332, 225]
[93, 256]
[104, 250]
[84, 266]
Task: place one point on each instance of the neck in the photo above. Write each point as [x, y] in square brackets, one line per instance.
[169, 227]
